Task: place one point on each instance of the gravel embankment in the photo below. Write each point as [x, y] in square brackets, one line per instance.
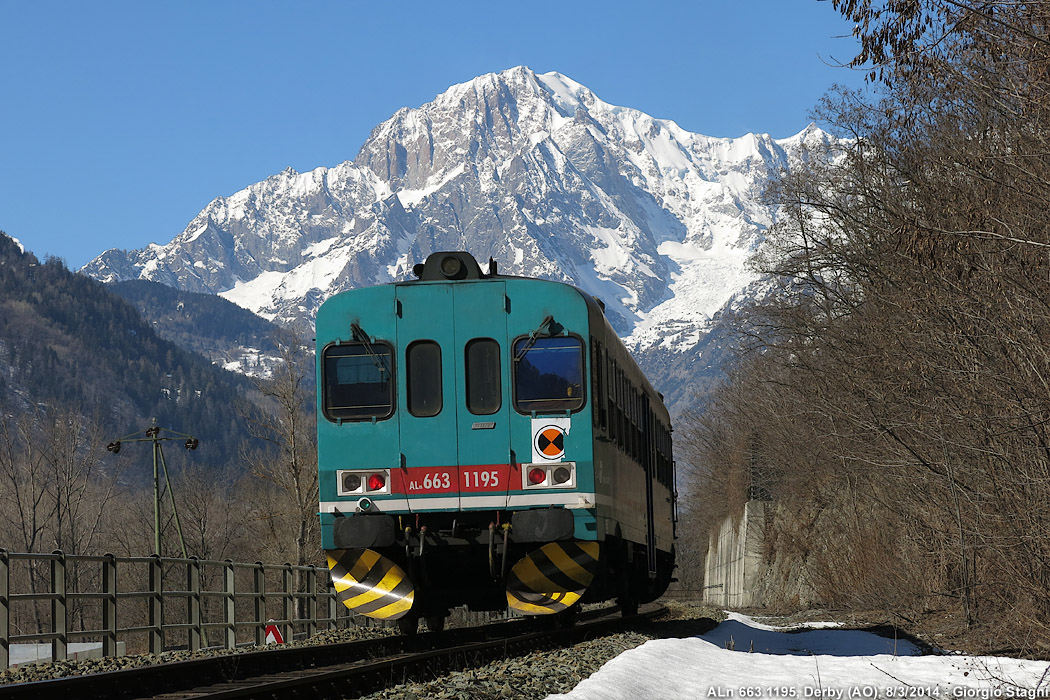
[61, 669]
[535, 675]
[539, 674]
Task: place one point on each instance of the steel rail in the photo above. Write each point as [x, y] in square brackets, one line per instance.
[342, 670]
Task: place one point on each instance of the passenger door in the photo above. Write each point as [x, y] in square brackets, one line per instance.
[483, 403]
[427, 405]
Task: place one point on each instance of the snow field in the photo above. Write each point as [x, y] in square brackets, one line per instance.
[742, 658]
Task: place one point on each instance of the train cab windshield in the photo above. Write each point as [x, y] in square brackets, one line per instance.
[358, 381]
[548, 374]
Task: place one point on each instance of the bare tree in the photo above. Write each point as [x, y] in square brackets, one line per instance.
[24, 492]
[213, 514]
[288, 461]
[53, 487]
[901, 373]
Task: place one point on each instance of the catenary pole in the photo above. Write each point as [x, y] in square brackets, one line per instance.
[153, 435]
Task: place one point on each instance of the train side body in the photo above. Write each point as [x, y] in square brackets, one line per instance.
[487, 441]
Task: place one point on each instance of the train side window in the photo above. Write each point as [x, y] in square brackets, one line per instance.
[636, 443]
[548, 374]
[484, 394]
[604, 386]
[621, 404]
[628, 405]
[665, 461]
[665, 455]
[423, 366]
[358, 381]
[596, 384]
[617, 383]
[658, 439]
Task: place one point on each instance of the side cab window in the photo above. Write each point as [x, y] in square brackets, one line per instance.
[358, 381]
[548, 374]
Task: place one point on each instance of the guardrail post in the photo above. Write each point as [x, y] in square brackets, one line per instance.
[229, 608]
[156, 605]
[259, 576]
[5, 610]
[288, 603]
[60, 644]
[193, 604]
[311, 601]
[333, 608]
[109, 605]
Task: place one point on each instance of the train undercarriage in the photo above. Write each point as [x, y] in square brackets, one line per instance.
[421, 566]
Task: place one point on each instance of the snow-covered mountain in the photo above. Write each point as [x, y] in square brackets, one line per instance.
[532, 170]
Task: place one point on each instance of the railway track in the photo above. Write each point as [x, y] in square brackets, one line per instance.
[344, 670]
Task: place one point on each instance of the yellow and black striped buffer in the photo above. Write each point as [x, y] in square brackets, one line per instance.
[370, 584]
[552, 578]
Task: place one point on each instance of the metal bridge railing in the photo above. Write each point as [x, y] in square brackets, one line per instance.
[156, 604]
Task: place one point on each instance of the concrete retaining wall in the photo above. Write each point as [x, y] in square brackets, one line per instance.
[735, 570]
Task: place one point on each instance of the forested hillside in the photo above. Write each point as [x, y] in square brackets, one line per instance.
[67, 341]
[80, 367]
[206, 324]
[895, 402]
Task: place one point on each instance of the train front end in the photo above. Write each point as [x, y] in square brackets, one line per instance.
[454, 451]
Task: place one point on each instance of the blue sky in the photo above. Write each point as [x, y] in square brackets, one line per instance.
[121, 120]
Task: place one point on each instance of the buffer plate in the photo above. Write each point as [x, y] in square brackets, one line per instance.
[552, 578]
[370, 584]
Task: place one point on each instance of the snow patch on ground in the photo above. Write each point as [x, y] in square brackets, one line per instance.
[252, 363]
[809, 661]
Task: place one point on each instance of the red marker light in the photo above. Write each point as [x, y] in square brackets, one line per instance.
[376, 482]
[537, 476]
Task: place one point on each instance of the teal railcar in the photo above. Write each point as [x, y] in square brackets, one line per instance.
[486, 440]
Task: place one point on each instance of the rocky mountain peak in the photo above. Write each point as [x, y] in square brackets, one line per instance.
[531, 169]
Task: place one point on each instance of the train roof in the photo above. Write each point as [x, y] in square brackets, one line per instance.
[450, 266]
[455, 266]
